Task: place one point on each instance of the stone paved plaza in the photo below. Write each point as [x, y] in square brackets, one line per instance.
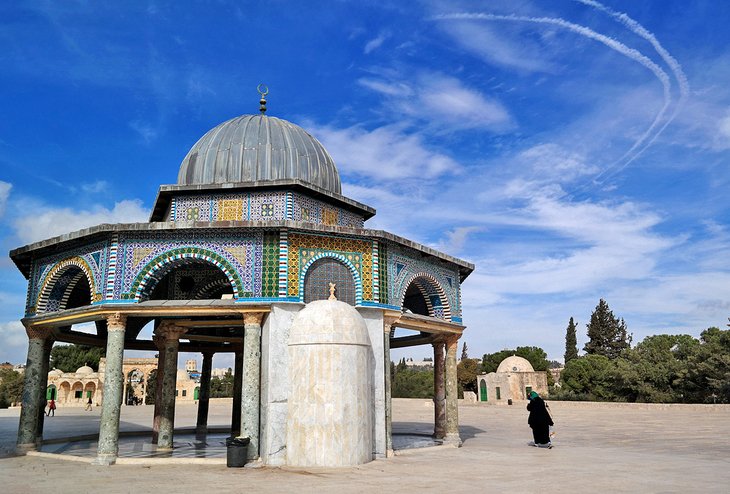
[598, 448]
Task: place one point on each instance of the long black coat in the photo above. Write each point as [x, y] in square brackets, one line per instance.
[539, 416]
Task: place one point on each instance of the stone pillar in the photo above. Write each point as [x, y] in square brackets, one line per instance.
[30, 428]
[439, 391]
[160, 344]
[171, 335]
[201, 426]
[387, 327]
[237, 390]
[251, 389]
[452, 402]
[113, 388]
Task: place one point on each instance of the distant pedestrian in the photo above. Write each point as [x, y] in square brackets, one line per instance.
[539, 420]
[51, 408]
[88, 405]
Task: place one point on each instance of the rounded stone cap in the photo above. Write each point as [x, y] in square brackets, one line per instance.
[328, 321]
[56, 372]
[515, 364]
[84, 370]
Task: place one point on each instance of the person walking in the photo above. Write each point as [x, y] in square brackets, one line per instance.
[539, 420]
[88, 405]
[52, 408]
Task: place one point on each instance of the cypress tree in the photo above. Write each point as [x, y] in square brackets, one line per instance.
[607, 334]
[571, 343]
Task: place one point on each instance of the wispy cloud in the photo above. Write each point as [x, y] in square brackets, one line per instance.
[376, 42]
[441, 101]
[13, 336]
[145, 130]
[95, 187]
[4, 193]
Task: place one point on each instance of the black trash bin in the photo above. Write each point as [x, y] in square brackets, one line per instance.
[509, 401]
[236, 449]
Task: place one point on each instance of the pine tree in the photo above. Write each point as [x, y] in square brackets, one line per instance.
[607, 334]
[571, 344]
[464, 354]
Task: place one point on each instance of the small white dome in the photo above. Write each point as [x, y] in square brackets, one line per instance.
[515, 364]
[55, 372]
[84, 370]
[329, 321]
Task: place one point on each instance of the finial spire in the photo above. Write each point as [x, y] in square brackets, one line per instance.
[332, 292]
[263, 90]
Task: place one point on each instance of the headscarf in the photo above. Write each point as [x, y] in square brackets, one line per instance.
[533, 395]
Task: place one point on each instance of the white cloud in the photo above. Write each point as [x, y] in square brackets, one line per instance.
[95, 187]
[375, 43]
[145, 130]
[385, 153]
[4, 193]
[45, 222]
[14, 338]
[441, 101]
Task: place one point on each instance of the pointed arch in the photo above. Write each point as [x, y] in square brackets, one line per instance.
[160, 265]
[50, 285]
[433, 293]
[342, 259]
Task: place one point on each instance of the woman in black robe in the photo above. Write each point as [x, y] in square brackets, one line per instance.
[539, 420]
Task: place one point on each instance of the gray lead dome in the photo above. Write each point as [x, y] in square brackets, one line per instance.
[257, 148]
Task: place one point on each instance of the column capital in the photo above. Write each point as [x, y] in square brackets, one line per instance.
[388, 321]
[169, 331]
[116, 321]
[38, 332]
[253, 318]
[451, 339]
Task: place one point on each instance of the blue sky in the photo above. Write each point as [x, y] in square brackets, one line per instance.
[572, 150]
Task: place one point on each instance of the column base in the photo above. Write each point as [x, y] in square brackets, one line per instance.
[454, 439]
[22, 449]
[105, 460]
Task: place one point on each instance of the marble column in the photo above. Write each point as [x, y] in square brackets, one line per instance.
[251, 389]
[237, 391]
[160, 344]
[113, 387]
[452, 402]
[201, 426]
[439, 391]
[387, 327]
[171, 335]
[30, 428]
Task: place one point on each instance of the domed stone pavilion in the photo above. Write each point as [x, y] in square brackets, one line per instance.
[255, 228]
[514, 379]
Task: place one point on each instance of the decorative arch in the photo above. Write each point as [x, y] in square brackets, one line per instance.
[433, 293]
[164, 261]
[338, 257]
[55, 274]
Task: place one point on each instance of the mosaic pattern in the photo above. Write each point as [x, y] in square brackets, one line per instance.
[314, 211]
[332, 258]
[305, 248]
[230, 207]
[93, 257]
[138, 253]
[270, 281]
[439, 282]
[383, 273]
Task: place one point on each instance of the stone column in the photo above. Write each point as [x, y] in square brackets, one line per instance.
[201, 427]
[171, 335]
[251, 390]
[113, 388]
[237, 390]
[439, 391]
[452, 403]
[387, 327]
[30, 428]
[160, 344]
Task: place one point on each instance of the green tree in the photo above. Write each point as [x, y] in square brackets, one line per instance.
[222, 387]
[11, 387]
[607, 334]
[707, 379]
[412, 383]
[464, 352]
[68, 358]
[587, 378]
[571, 343]
[466, 372]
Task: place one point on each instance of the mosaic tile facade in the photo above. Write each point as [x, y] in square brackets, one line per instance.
[303, 249]
[42, 273]
[314, 211]
[230, 207]
[270, 281]
[439, 282]
[243, 252]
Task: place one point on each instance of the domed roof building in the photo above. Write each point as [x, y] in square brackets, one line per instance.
[255, 228]
[514, 380]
